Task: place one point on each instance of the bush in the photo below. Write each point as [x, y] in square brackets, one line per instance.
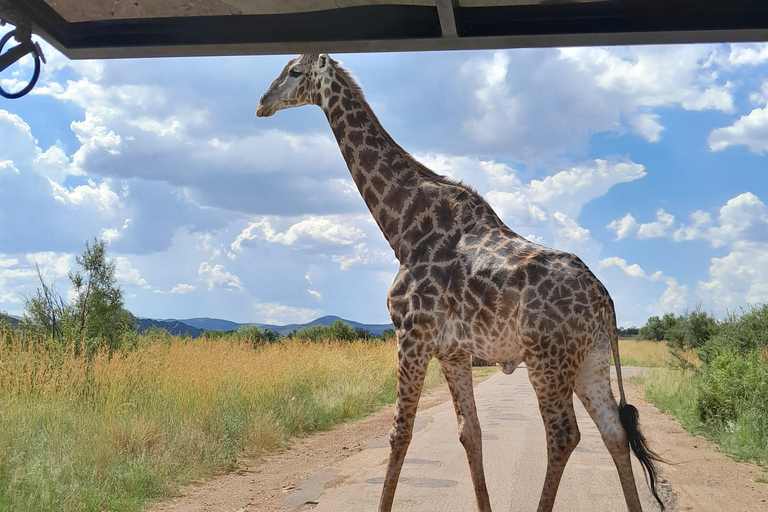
[741, 333]
[340, 331]
[255, 335]
[732, 401]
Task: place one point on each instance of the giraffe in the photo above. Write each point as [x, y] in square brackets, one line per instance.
[468, 285]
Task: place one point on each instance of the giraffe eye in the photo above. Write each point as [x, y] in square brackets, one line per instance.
[295, 73]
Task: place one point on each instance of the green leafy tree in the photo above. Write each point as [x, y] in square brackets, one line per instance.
[337, 331]
[98, 305]
[47, 310]
[653, 330]
[256, 335]
[95, 316]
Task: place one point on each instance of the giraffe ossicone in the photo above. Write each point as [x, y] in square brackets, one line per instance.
[468, 285]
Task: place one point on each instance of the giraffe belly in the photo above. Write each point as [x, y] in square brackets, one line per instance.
[497, 345]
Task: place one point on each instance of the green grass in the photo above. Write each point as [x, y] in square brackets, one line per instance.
[117, 432]
[737, 424]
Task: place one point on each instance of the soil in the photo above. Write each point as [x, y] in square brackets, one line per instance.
[699, 478]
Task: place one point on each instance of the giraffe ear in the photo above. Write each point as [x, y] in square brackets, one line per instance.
[322, 62]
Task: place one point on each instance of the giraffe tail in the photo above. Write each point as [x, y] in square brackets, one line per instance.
[628, 415]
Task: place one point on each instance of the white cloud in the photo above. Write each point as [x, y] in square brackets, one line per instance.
[101, 196]
[364, 255]
[628, 225]
[52, 265]
[661, 227]
[7, 165]
[218, 275]
[274, 313]
[673, 299]
[738, 277]
[656, 76]
[315, 294]
[567, 191]
[647, 126]
[748, 54]
[182, 288]
[538, 104]
[126, 272]
[750, 130]
[302, 233]
[624, 226]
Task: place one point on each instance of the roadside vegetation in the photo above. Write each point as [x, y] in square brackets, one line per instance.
[716, 382]
[116, 429]
[95, 416]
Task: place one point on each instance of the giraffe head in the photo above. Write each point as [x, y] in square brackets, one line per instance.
[297, 85]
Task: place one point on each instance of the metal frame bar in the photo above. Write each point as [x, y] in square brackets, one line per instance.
[373, 28]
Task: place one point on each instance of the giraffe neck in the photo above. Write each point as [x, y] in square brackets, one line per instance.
[385, 174]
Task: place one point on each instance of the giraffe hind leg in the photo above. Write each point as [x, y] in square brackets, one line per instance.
[593, 387]
[458, 374]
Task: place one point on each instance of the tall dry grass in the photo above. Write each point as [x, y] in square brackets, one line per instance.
[651, 354]
[115, 432]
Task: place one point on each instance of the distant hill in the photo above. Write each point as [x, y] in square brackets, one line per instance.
[13, 319]
[211, 324]
[174, 327]
[216, 324]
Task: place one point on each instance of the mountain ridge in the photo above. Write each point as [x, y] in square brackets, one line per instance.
[195, 326]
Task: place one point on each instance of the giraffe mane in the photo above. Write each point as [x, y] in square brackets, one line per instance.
[425, 171]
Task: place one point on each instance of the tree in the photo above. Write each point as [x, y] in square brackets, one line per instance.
[47, 309]
[96, 315]
[98, 305]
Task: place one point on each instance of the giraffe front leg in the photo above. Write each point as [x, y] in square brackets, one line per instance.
[412, 368]
[458, 374]
[556, 407]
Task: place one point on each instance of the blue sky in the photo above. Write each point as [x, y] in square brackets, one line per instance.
[651, 163]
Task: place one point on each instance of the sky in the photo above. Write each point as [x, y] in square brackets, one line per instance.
[649, 162]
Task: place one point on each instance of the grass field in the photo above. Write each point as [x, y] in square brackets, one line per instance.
[116, 432]
[645, 353]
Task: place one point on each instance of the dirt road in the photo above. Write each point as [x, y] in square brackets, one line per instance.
[342, 470]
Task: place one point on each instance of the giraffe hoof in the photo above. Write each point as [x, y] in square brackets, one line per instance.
[509, 366]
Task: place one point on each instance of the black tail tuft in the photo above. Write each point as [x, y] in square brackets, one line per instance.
[629, 416]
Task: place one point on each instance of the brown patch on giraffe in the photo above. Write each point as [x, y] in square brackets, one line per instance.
[349, 154]
[396, 199]
[444, 215]
[355, 137]
[369, 195]
[369, 159]
[420, 203]
[379, 184]
[356, 119]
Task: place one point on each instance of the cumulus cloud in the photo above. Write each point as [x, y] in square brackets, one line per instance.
[182, 288]
[124, 271]
[527, 103]
[214, 275]
[750, 130]
[303, 233]
[364, 255]
[274, 313]
[101, 196]
[741, 227]
[745, 54]
[674, 298]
